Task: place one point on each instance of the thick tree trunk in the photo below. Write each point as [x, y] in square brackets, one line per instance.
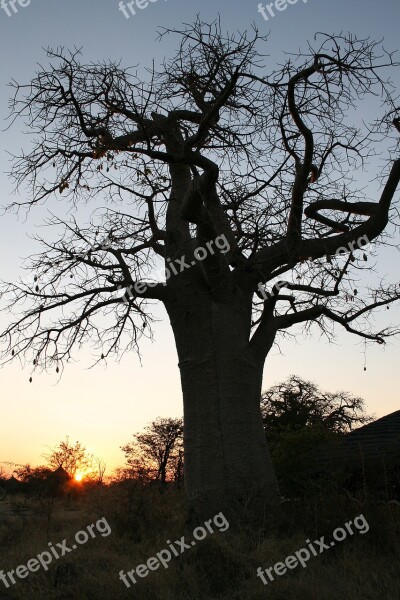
[227, 462]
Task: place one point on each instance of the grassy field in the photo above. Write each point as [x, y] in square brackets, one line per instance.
[221, 567]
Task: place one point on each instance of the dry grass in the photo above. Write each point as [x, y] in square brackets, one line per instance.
[221, 567]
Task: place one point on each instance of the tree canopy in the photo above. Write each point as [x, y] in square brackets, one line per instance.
[158, 449]
[214, 142]
[73, 458]
[296, 403]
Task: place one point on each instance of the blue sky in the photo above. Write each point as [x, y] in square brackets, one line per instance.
[103, 407]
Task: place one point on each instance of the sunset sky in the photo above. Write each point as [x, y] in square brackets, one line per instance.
[103, 407]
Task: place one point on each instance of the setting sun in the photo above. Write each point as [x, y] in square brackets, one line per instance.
[78, 477]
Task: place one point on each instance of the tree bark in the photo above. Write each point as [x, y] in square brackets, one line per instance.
[228, 466]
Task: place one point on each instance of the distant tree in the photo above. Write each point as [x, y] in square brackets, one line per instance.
[35, 479]
[28, 474]
[97, 471]
[299, 418]
[297, 403]
[7, 469]
[100, 466]
[160, 445]
[136, 469]
[71, 457]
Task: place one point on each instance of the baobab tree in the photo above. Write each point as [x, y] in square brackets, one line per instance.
[296, 404]
[243, 182]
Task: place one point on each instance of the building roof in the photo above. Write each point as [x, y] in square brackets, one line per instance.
[376, 442]
[59, 474]
[379, 438]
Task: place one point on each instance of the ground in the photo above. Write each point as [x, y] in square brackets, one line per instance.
[222, 566]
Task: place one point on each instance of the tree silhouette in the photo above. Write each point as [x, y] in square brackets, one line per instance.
[28, 474]
[296, 403]
[71, 457]
[242, 181]
[158, 448]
